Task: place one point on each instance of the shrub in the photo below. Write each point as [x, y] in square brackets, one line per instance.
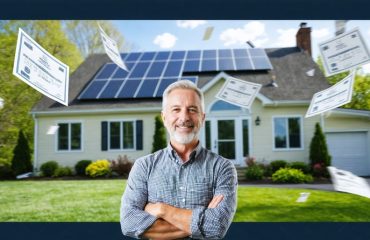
[319, 153]
[277, 164]
[267, 170]
[301, 166]
[254, 172]
[289, 175]
[98, 168]
[250, 161]
[21, 162]
[122, 166]
[159, 137]
[48, 168]
[62, 171]
[6, 172]
[81, 166]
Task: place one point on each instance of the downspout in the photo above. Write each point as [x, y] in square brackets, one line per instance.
[322, 122]
[35, 142]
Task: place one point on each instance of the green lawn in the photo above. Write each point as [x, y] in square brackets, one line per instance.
[99, 201]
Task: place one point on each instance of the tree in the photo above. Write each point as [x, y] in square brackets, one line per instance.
[85, 34]
[21, 162]
[159, 137]
[361, 90]
[319, 154]
[18, 96]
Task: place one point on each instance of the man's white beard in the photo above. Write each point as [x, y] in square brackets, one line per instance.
[184, 138]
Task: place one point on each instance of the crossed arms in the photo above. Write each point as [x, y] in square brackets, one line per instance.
[160, 220]
[172, 222]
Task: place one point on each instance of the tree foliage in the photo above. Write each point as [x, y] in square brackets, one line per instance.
[18, 96]
[319, 153]
[361, 89]
[159, 137]
[86, 36]
[21, 162]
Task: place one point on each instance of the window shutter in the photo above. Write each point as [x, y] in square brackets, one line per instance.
[139, 135]
[104, 136]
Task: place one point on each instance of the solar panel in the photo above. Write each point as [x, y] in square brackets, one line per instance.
[151, 72]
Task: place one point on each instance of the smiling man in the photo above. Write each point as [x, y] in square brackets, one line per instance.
[184, 190]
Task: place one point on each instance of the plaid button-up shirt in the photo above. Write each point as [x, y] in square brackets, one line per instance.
[163, 177]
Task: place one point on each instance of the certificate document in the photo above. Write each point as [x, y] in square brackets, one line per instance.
[111, 49]
[345, 181]
[39, 69]
[239, 92]
[344, 52]
[333, 97]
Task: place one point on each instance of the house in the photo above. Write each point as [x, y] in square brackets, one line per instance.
[111, 112]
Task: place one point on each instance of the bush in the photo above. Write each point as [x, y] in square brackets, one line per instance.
[305, 168]
[21, 162]
[62, 171]
[159, 137]
[254, 172]
[319, 153]
[48, 168]
[98, 168]
[81, 166]
[122, 166]
[289, 175]
[6, 172]
[277, 164]
[267, 170]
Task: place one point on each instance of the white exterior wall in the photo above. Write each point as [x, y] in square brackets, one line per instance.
[91, 138]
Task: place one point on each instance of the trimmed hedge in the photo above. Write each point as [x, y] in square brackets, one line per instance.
[254, 172]
[81, 166]
[48, 168]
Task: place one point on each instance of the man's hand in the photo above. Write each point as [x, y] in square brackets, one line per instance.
[155, 209]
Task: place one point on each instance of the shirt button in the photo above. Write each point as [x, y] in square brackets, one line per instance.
[183, 200]
[181, 188]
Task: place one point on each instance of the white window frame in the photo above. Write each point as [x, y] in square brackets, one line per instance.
[286, 117]
[69, 122]
[121, 121]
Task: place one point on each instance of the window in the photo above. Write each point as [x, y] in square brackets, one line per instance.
[69, 137]
[121, 135]
[287, 133]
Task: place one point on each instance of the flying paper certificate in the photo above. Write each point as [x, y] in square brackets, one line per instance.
[39, 69]
[345, 181]
[239, 92]
[333, 97]
[208, 33]
[111, 49]
[344, 52]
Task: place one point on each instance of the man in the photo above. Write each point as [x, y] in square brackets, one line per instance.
[183, 190]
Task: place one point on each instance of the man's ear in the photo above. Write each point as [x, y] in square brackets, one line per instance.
[163, 117]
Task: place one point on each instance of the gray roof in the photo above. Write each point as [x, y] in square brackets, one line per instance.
[289, 66]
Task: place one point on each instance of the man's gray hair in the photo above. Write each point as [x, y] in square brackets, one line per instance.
[183, 84]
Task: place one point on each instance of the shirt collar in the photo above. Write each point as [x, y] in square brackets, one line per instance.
[193, 155]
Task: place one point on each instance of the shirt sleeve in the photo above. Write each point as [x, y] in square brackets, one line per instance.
[213, 223]
[134, 220]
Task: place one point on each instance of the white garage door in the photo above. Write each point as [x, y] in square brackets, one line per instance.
[349, 151]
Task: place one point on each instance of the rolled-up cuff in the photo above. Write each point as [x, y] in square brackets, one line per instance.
[197, 218]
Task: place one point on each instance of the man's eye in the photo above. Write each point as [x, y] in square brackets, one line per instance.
[193, 110]
[175, 109]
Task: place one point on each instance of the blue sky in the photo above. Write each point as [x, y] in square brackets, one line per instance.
[161, 35]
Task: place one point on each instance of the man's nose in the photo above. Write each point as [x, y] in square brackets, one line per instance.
[184, 115]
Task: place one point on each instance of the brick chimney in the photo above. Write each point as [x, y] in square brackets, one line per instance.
[303, 38]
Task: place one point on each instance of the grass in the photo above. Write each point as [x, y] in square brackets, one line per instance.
[99, 201]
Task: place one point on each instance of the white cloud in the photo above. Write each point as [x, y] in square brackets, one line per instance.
[253, 31]
[165, 40]
[320, 33]
[286, 37]
[190, 23]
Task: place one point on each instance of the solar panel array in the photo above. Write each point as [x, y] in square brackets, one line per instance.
[151, 72]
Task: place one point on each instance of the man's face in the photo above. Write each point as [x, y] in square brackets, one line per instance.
[183, 116]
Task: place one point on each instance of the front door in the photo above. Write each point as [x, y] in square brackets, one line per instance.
[228, 137]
